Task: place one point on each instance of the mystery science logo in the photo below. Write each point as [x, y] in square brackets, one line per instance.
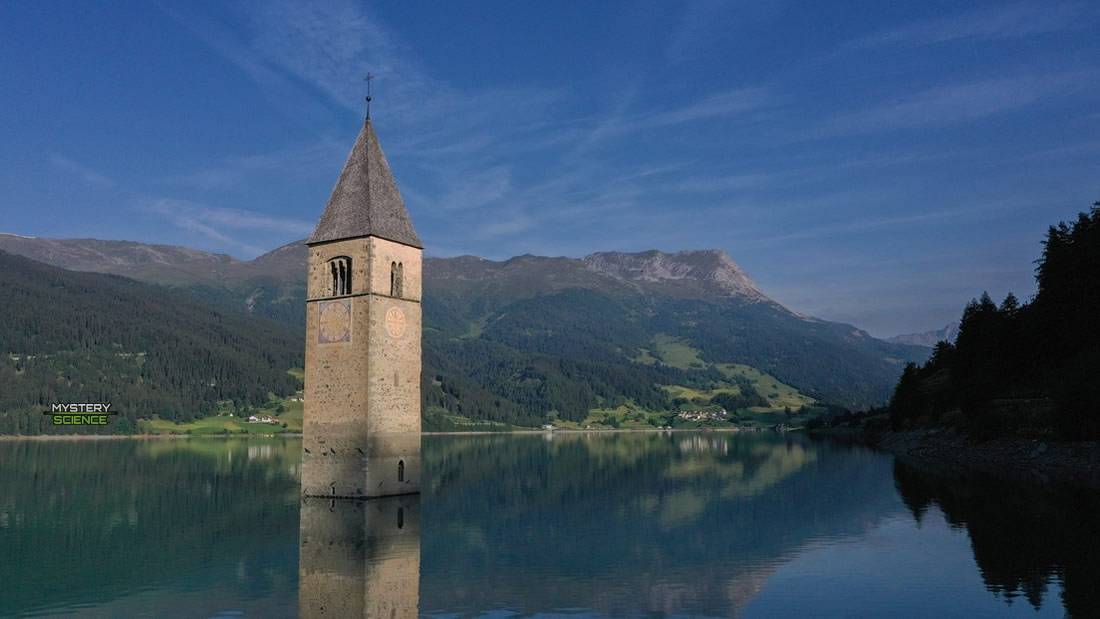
[80, 413]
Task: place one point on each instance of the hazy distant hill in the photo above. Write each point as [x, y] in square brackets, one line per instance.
[87, 337]
[929, 338]
[271, 286]
[164, 263]
[513, 340]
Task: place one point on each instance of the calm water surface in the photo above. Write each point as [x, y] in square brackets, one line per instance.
[708, 524]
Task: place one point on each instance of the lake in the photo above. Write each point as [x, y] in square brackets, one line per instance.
[607, 524]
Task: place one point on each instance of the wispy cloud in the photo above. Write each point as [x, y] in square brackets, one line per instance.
[996, 22]
[290, 98]
[718, 183]
[510, 226]
[697, 27]
[330, 45]
[724, 104]
[953, 103]
[216, 223]
[81, 171]
[704, 25]
[1081, 150]
[830, 168]
[476, 189]
[242, 220]
[463, 142]
[463, 139]
[522, 167]
[854, 225]
[303, 162]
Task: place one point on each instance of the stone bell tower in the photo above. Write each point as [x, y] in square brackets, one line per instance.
[363, 326]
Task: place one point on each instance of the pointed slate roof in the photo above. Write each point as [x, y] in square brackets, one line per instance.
[365, 200]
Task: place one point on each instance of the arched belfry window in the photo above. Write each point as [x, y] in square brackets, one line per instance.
[400, 470]
[340, 268]
[395, 279]
[400, 279]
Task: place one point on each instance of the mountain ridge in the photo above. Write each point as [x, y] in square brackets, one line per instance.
[948, 333]
[691, 273]
[708, 267]
[532, 336]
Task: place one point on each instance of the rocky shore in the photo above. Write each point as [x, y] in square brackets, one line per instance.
[1041, 460]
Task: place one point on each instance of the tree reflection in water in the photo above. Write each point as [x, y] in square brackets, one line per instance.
[1023, 536]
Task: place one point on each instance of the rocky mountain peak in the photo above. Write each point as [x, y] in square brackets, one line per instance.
[710, 269]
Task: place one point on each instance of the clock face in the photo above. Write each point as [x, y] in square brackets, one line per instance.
[334, 321]
[395, 322]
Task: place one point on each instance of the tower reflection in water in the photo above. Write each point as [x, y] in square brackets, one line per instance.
[359, 558]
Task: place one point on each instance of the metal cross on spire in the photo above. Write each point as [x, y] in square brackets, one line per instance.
[368, 79]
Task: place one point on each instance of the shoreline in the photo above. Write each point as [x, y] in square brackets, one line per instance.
[103, 437]
[592, 431]
[1038, 460]
[109, 437]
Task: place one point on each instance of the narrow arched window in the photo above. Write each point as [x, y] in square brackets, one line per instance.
[400, 280]
[400, 517]
[400, 470]
[393, 279]
[341, 275]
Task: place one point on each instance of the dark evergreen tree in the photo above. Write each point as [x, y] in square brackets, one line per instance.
[1021, 356]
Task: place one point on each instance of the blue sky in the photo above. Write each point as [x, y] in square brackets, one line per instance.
[877, 163]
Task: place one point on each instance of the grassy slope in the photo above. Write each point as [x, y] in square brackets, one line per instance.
[223, 423]
[466, 298]
[675, 352]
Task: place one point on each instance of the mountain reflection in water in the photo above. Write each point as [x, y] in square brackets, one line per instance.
[633, 523]
[602, 524]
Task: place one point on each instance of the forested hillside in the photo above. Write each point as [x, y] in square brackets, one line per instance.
[523, 341]
[1022, 365]
[489, 380]
[84, 337]
[577, 349]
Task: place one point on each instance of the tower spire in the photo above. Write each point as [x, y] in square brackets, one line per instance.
[368, 79]
[365, 200]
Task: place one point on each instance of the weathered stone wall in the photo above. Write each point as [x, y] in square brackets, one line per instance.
[360, 391]
[383, 254]
[319, 280]
[389, 453]
[395, 365]
[393, 403]
[335, 394]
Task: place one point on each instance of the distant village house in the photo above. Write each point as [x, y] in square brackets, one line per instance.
[702, 416]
